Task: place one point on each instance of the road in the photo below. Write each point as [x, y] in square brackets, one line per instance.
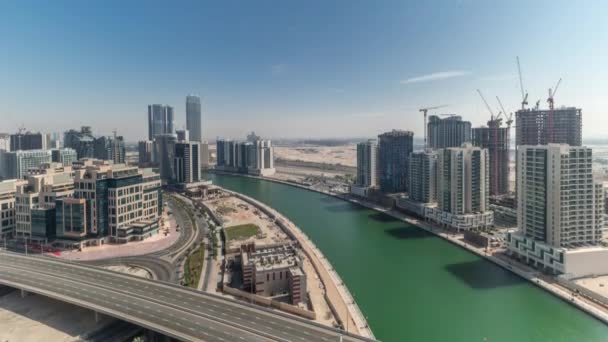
[165, 264]
[172, 310]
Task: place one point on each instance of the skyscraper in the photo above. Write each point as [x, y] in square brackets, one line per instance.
[164, 153]
[186, 162]
[160, 120]
[545, 126]
[448, 132]
[146, 153]
[367, 164]
[193, 117]
[496, 140]
[394, 149]
[423, 174]
[205, 155]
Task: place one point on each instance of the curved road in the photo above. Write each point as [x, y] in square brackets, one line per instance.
[165, 264]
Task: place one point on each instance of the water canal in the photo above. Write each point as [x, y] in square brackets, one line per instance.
[413, 286]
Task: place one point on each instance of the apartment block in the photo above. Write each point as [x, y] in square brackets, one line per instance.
[448, 132]
[496, 140]
[560, 209]
[394, 150]
[367, 168]
[547, 126]
[462, 189]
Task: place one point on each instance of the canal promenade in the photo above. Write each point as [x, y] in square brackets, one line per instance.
[534, 277]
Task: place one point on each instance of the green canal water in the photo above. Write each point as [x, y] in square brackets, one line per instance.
[413, 286]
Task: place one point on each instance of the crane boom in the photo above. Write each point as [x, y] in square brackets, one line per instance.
[487, 105]
[524, 95]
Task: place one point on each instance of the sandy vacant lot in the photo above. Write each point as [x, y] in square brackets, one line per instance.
[37, 318]
[345, 155]
[237, 212]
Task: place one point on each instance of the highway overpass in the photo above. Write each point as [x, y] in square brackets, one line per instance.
[163, 307]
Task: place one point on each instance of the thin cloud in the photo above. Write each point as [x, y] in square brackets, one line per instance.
[436, 76]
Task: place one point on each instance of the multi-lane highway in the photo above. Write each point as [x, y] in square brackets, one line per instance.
[163, 307]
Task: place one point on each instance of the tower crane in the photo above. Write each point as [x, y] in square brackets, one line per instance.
[551, 107]
[425, 110]
[492, 117]
[509, 116]
[524, 95]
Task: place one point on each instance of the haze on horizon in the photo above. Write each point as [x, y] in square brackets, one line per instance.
[310, 69]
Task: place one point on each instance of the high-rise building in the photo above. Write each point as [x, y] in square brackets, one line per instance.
[5, 142]
[65, 156]
[205, 156]
[462, 179]
[559, 211]
[367, 164]
[16, 164]
[146, 153]
[462, 189]
[545, 126]
[559, 202]
[26, 141]
[394, 149]
[87, 145]
[225, 153]
[423, 176]
[256, 158]
[193, 117]
[82, 141]
[164, 154]
[160, 120]
[496, 140]
[448, 132]
[187, 162]
[183, 135]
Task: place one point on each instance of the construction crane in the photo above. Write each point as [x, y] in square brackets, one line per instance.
[492, 118]
[425, 110]
[508, 117]
[552, 94]
[524, 95]
[551, 107]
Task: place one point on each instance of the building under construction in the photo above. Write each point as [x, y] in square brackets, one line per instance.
[545, 126]
[496, 140]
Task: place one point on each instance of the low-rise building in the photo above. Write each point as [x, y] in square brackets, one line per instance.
[274, 271]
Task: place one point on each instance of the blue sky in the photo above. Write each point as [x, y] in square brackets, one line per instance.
[294, 69]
